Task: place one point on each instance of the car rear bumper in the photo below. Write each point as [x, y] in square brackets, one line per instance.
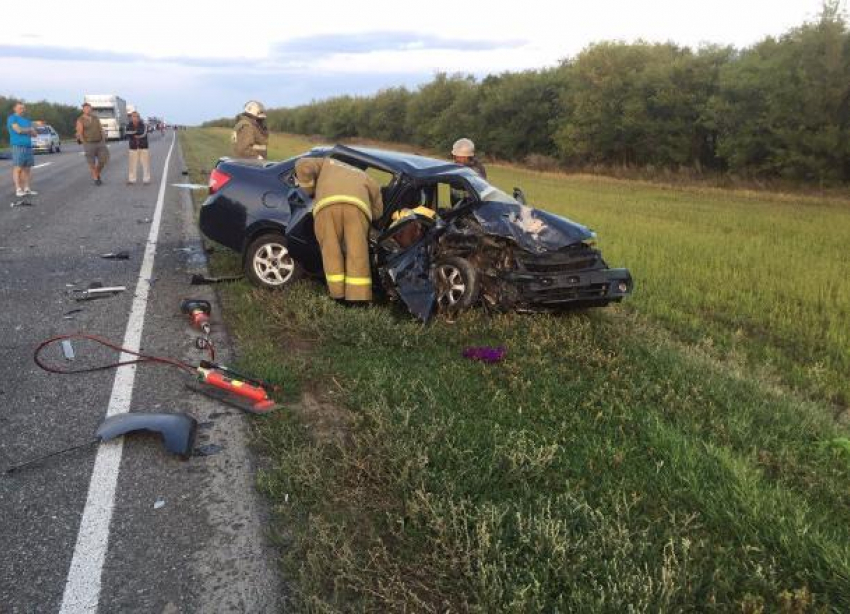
[223, 221]
[555, 289]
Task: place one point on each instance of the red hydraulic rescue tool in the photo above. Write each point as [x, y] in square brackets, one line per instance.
[199, 312]
[255, 398]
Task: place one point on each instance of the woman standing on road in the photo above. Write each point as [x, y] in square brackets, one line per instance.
[137, 133]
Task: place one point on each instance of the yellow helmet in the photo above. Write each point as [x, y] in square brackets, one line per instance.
[464, 148]
[252, 107]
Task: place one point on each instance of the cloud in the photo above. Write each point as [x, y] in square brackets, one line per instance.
[292, 51]
[190, 89]
[370, 42]
[81, 54]
[185, 94]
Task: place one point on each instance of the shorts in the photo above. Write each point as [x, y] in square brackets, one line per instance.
[22, 156]
[96, 153]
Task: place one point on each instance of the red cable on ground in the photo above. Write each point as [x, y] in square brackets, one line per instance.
[142, 358]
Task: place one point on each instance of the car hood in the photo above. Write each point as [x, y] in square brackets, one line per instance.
[532, 229]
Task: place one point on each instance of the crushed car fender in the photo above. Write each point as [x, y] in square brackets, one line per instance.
[177, 430]
[532, 229]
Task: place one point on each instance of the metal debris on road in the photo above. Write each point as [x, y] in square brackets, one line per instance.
[207, 450]
[159, 504]
[69, 315]
[190, 186]
[96, 290]
[67, 349]
[122, 255]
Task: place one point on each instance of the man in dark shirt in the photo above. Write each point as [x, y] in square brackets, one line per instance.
[137, 135]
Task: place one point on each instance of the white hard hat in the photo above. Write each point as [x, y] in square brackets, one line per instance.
[464, 148]
[252, 107]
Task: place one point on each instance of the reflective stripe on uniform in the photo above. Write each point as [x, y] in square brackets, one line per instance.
[342, 199]
[358, 281]
[335, 278]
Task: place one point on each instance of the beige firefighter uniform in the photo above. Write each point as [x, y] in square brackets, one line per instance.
[346, 200]
[250, 138]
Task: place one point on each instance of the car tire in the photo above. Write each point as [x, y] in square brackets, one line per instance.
[268, 263]
[457, 283]
[58, 149]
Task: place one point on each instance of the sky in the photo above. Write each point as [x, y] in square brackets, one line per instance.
[190, 61]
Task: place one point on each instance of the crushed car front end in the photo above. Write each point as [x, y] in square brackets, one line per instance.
[533, 271]
[570, 277]
[504, 255]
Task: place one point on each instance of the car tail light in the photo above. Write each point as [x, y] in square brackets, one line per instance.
[218, 179]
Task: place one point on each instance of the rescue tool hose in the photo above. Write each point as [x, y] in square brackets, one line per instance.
[141, 358]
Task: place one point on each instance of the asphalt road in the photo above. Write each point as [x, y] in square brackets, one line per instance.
[180, 536]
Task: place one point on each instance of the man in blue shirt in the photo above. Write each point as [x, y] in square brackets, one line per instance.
[20, 138]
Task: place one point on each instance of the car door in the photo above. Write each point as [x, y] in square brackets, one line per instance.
[300, 234]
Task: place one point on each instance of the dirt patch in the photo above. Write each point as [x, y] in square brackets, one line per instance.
[328, 421]
[299, 346]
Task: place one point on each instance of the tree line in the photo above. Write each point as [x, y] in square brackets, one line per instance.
[62, 117]
[779, 108]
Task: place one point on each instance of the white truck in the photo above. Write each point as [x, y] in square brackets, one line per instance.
[111, 110]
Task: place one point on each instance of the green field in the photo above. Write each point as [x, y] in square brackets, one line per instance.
[686, 450]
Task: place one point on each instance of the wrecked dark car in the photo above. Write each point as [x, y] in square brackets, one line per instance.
[447, 240]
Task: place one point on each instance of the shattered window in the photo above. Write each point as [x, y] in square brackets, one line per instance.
[489, 193]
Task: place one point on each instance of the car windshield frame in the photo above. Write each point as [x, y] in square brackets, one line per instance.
[484, 190]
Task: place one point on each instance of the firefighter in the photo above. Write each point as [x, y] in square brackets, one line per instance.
[250, 135]
[463, 152]
[345, 201]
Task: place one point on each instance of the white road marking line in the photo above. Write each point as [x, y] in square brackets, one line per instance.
[42, 164]
[82, 588]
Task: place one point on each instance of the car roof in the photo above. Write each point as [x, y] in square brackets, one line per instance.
[410, 164]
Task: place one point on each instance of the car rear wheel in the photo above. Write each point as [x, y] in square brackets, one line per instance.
[268, 263]
[457, 285]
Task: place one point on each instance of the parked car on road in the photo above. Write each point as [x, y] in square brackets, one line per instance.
[447, 239]
[46, 140]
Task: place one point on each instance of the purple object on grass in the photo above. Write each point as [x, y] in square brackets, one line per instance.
[485, 353]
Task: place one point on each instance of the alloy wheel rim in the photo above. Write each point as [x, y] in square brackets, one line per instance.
[451, 286]
[273, 264]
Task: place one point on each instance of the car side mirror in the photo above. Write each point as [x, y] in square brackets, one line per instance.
[519, 195]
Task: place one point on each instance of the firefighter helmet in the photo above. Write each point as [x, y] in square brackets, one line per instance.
[255, 109]
[463, 148]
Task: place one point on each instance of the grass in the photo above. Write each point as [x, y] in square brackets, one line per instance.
[680, 452]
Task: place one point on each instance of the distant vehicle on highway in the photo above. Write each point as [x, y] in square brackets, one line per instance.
[47, 140]
[111, 110]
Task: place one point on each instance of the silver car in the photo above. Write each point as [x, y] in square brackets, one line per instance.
[47, 140]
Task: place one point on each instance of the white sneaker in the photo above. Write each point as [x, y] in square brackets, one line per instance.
[31, 192]
[20, 193]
